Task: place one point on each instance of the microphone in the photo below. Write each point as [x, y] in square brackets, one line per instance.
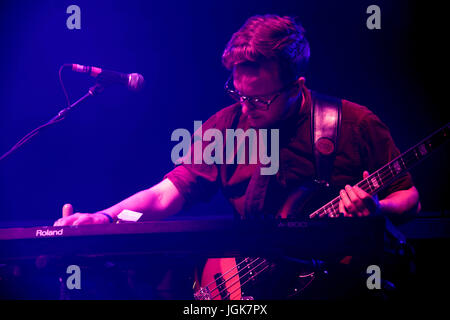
[133, 81]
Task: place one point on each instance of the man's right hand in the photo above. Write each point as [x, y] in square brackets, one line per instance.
[71, 219]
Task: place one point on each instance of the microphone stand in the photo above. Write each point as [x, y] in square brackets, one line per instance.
[97, 88]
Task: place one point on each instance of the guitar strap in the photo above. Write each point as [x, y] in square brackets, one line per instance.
[326, 113]
[325, 123]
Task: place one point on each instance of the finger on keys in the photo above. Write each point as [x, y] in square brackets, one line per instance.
[67, 210]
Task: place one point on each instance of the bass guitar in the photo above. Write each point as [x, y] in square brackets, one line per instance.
[225, 278]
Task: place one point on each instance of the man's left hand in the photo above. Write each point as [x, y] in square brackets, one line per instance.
[355, 202]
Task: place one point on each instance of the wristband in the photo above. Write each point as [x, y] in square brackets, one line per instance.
[111, 220]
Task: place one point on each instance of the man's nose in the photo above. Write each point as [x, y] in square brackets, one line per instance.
[245, 106]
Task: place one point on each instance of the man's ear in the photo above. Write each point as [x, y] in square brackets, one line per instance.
[299, 84]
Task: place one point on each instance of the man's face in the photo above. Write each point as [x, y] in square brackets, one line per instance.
[263, 80]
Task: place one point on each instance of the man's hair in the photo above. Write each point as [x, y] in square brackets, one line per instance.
[270, 37]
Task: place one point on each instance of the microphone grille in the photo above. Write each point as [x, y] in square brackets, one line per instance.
[135, 81]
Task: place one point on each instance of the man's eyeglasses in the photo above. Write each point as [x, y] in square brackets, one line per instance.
[258, 102]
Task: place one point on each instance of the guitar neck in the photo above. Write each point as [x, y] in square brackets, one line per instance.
[384, 176]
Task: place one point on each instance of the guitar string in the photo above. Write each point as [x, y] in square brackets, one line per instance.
[383, 173]
[238, 273]
[411, 154]
[364, 184]
[249, 271]
[234, 283]
[256, 273]
[231, 269]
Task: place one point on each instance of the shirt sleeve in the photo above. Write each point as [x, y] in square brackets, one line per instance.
[199, 182]
[378, 148]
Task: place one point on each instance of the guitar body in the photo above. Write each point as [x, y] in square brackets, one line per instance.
[244, 279]
[228, 278]
[221, 279]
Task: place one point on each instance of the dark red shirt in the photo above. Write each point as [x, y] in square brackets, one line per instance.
[365, 143]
